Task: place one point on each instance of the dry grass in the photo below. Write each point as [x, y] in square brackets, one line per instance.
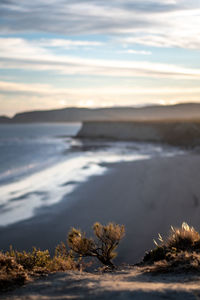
[180, 251]
[17, 268]
[184, 238]
[176, 262]
[11, 273]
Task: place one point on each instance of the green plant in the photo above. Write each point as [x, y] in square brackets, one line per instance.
[103, 247]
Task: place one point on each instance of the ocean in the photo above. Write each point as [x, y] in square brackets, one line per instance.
[41, 163]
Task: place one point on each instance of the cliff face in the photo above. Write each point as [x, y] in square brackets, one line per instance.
[174, 133]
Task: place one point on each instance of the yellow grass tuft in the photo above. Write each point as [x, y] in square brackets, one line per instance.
[180, 250]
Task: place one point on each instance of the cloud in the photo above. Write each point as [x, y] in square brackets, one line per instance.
[181, 29]
[47, 89]
[106, 27]
[68, 44]
[149, 22]
[45, 96]
[140, 52]
[28, 56]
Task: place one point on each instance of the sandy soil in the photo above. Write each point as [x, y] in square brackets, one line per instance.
[126, 284]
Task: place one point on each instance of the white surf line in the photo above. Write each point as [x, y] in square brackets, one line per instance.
[20, 199]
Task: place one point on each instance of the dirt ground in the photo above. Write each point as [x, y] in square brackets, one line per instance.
[128, 283]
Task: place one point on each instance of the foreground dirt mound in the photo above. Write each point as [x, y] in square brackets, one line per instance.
[127, 283]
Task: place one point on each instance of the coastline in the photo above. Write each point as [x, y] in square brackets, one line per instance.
[147, 196]
[49, 184]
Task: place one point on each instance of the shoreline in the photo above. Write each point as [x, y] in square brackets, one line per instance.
[47, 186]
[147, 196]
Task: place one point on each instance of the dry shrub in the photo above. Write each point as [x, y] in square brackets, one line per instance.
[33, 260]
[184, 238]
[18, 267]
[63, 260]
[176, 262]
[180, 251]
[103, 247]
[11, 273]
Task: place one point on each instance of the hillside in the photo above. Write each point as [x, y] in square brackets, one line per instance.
[186, 111]
[4, 119]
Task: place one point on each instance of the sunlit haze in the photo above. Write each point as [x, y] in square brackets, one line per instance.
[97, 53]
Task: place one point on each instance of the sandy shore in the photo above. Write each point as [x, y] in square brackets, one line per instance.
[147, 196]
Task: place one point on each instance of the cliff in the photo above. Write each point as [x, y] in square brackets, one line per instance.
[174, 133]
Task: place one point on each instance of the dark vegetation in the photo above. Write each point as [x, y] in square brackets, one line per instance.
[17, 268]
[179, 252]
[102, 247]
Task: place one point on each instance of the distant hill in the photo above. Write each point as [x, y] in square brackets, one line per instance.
[188, 111]
[4, 119]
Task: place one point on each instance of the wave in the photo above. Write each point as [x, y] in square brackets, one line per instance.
[21, 199]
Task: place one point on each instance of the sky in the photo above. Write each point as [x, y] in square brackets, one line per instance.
[98, 53]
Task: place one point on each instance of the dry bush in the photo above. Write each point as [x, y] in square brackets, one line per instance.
[184, 238]
[18, 267]
[176, 262]
[11, 273]
[103, 247]
[33, 260]
[63, 260]
[180, 251]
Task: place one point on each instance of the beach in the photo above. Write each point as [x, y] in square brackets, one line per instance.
[147, 196]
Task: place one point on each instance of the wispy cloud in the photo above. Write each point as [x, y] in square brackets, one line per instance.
[128, 42]
[47, 89]
[28, 56]
[139, 52]
[68, 44]
[149, 22]
[45, 95]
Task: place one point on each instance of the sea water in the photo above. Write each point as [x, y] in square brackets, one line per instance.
[41, 163]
